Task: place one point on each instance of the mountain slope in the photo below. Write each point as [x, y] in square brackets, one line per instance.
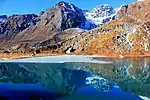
[128, 35]
[23, 31]
[139, 11]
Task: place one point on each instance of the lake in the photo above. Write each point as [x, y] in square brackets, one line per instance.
[75, 78]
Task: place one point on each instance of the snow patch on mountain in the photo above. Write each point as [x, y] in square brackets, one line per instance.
[101, 14]
[144, 98]
[140, 0]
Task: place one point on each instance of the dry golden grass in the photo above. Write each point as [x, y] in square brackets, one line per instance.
[21, 55]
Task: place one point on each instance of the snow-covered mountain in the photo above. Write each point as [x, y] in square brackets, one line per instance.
[3, 18]
[101, 14]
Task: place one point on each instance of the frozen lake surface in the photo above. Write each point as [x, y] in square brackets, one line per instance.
[57, 59]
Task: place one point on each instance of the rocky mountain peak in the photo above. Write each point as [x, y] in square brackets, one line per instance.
[101, 14]
[72, 16]
[103, 11]
[66, 6]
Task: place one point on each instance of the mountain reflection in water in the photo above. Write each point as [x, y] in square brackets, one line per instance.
[121, 80]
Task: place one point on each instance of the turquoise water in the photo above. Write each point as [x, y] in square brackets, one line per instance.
[123, 79]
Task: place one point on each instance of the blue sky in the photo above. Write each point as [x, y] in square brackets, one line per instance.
[10, 7]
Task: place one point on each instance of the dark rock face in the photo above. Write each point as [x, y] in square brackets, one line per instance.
[71, 15]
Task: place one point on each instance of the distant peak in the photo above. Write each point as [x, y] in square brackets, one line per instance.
[104, 6]
[103, 11]
[101, 14]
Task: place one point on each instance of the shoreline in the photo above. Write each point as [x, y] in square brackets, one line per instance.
[56, 59]
[4, 56]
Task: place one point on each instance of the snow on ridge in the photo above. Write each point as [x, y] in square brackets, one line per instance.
[101, 14]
